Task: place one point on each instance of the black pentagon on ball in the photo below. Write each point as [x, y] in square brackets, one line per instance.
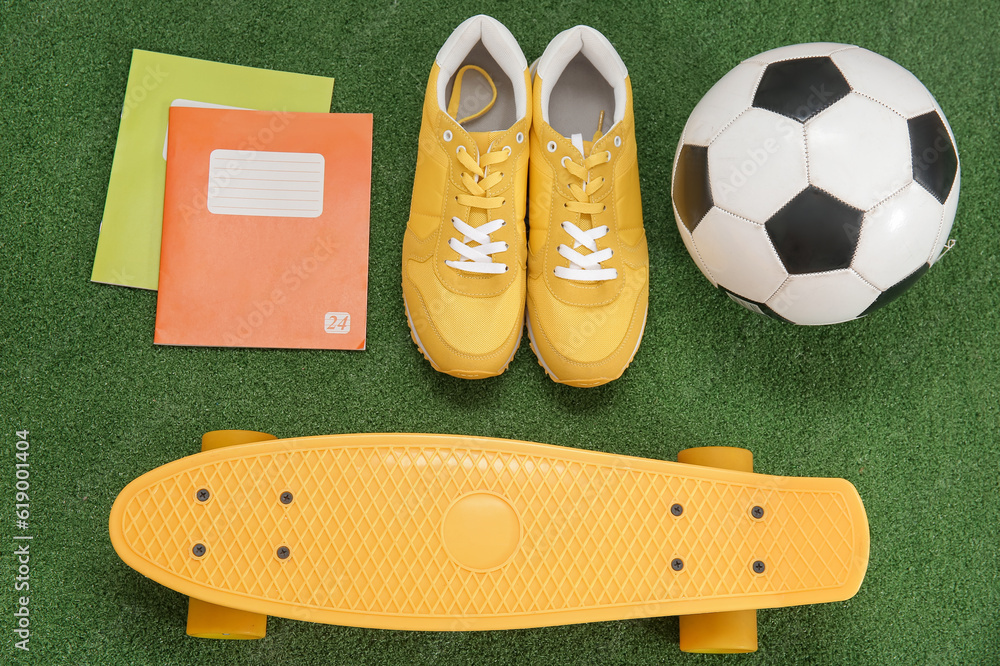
[935, 160]
[893, 292]
[815, 232]
[800, 88]
[691, 189]
[754, 306]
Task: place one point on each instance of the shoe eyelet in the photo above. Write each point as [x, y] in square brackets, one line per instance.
[618, 142]
[520, 137]
[563, 161]
[604, 209]
[507, 150]
[448, 135]
[459, 149]
[609, 154]
[552, 146]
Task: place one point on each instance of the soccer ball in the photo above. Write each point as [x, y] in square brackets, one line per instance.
[815, 183]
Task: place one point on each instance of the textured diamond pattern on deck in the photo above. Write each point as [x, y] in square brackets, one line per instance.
[364, 531]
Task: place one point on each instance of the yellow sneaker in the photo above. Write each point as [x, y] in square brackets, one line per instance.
[588, 267]
[464, 248]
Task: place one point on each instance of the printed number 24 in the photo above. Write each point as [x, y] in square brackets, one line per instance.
[337, 322]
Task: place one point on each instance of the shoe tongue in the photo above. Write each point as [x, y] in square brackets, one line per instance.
[583, 146]
[484, 139]
[586, 146]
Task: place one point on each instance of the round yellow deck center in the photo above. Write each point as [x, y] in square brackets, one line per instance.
[481, 531]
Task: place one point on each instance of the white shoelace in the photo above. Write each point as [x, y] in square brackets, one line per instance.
[477, 259]
[585, 267]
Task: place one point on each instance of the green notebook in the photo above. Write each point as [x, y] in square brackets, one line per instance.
[128, 249]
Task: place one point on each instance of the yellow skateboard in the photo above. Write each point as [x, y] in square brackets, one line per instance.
[450, 533]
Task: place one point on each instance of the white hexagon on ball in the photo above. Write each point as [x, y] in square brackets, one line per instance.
[757, 164]
[898, 236]
[739, 255]
[727, 99]
[810, 50]
[823, 298]
[859, 151]
[878, 77]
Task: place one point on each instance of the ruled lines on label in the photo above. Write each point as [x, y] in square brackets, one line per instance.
[262, 183]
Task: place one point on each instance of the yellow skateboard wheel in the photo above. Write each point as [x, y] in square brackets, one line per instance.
[719, 633]
[217, 439]
[734, 631]
[723, 457]
[207, 620]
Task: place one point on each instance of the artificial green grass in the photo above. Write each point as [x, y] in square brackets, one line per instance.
[904, 403]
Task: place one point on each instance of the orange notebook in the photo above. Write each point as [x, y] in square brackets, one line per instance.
[265, 229]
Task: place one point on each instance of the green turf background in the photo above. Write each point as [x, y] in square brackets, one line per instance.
[904, 404]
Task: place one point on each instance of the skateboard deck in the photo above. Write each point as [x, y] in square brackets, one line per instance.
[441, 532]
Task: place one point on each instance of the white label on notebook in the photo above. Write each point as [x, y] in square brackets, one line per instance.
[255, 182]
[197, 105]
[337, 322]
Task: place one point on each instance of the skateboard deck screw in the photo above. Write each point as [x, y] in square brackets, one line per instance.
[677, 564]
[757, 512]
[286, 497]
[758, 567]
[198, 550]
[283, 553]
[677, 509]
[203, 495]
